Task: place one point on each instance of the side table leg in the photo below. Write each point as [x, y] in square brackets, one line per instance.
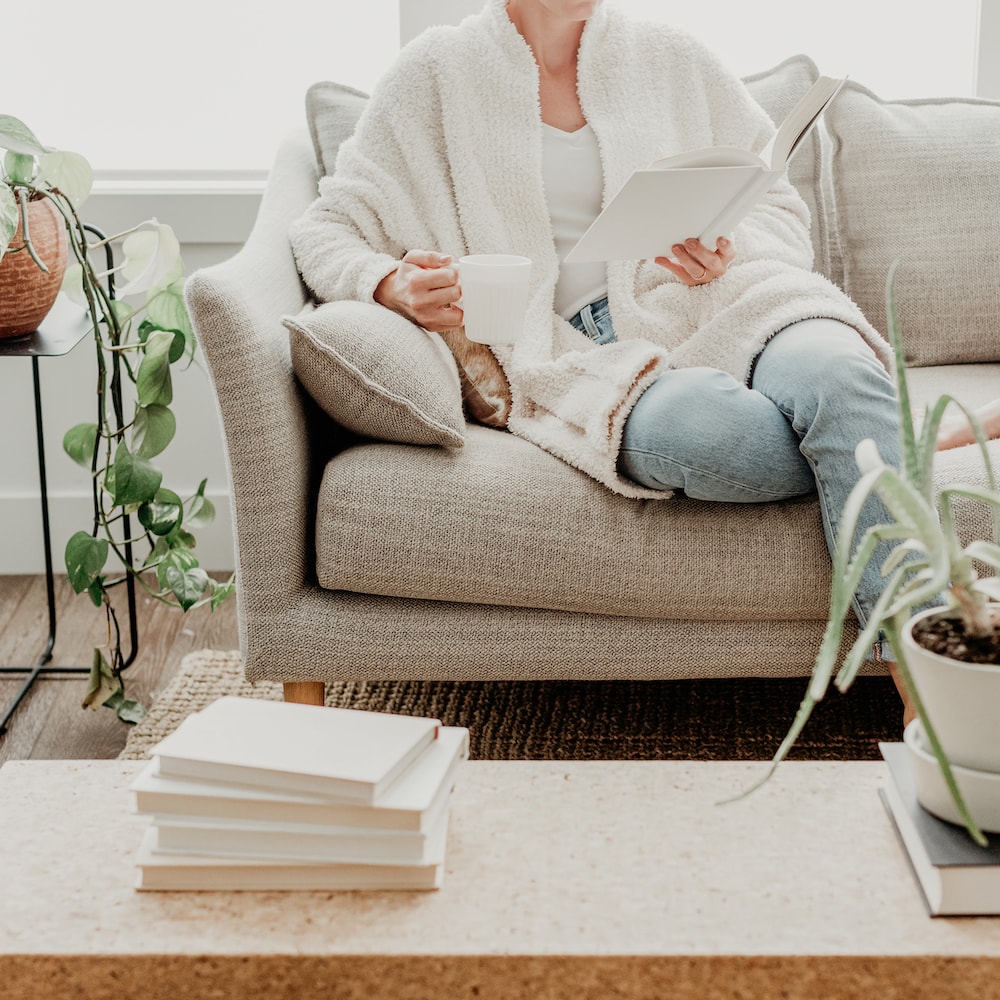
[46, 655]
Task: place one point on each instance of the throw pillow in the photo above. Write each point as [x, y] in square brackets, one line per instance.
[332, 111]
[919, 180]
[378, 374]
[777, 90]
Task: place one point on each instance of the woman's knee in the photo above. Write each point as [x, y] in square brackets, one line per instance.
[819, 358]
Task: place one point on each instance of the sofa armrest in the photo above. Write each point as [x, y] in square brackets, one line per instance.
[236, 308]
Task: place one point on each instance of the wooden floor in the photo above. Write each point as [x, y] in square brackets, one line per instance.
[49, 723]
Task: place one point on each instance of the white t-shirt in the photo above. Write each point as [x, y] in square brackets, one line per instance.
[574, 181]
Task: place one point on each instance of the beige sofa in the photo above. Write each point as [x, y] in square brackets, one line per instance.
[361, 558]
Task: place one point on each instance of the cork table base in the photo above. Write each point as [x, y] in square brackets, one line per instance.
[600, 880]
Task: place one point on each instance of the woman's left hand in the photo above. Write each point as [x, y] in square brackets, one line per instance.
[695, 264]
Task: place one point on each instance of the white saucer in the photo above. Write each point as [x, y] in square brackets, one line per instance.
[980, 789]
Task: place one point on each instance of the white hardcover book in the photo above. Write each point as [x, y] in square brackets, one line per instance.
[306, 842]
[703, 193]
[407, 804]
[178, 872]
[339, 752]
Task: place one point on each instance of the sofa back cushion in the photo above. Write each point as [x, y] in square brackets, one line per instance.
[332, 112]
[919, 180]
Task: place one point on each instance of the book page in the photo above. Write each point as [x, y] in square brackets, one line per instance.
[800, 121]
[658, 208]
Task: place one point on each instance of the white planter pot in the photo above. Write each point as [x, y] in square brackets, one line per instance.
[961, 699]
[980, 789]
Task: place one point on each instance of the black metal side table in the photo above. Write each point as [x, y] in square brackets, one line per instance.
[61, 331]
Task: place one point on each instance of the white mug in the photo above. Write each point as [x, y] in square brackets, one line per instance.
[494, 296]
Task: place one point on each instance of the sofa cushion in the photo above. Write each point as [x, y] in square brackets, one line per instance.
[919, 180]
[776, 90]
[332, 111]
[503, 522]
[378, 374]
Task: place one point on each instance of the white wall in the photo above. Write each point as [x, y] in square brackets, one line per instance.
[899, 48]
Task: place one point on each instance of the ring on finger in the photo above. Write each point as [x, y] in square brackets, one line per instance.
[700, 277]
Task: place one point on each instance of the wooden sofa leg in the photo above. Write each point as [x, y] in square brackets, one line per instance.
[305, 692]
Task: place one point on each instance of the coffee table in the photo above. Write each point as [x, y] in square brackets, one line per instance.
[600, 880]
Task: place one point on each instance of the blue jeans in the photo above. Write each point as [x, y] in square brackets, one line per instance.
[816, 390]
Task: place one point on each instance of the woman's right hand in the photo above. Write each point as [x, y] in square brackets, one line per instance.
[424, 288]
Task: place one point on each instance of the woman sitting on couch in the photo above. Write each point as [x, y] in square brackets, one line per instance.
[732, 373]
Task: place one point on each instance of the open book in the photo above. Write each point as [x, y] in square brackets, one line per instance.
[703, 192]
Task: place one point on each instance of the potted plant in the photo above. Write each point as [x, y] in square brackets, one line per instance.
[941, 649]
[138, 336]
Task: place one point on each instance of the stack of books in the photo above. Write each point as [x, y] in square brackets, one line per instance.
[256, 794]
[956, 876]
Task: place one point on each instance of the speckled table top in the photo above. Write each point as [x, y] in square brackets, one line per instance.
[563, 879]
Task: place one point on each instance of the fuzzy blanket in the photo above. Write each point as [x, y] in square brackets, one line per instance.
[447, 157]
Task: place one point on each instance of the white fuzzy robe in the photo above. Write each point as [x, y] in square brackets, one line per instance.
[447, 157]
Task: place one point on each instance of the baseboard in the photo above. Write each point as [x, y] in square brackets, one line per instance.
[21, 536]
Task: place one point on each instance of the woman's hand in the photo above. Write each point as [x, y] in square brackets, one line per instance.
[695, 264]
[424, 288]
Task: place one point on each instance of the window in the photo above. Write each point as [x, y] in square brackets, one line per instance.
[207, 88]
[185, 86]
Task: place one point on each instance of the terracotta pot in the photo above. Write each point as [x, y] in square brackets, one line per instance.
[26, 291]
[962, 699]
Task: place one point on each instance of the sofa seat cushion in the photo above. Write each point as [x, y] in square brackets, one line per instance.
[502, 522]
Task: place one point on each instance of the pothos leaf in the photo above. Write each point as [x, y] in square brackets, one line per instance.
[79, 443]
[102, 685]
[70, 173]
[85, 558]
[8, 217]
[135, 479]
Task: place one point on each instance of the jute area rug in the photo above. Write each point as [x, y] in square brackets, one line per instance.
[728, 719]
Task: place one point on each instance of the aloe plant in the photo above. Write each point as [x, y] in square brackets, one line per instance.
[138, 335]
[927, 561]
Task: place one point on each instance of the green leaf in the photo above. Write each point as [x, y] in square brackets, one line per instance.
[8, 217]
[186, 583]
[135, 480]
[163, 514]
[222, 591]
[200, 510]
[151, 259]
[153, 430]
[153, 377]
[180, 559]
[15, 135]
[96, 592]
[157, 554]
[130, 711]
[102, 685]
[19, 167]
[70, 173]
[85, 558]
[146, 327]
[79, 443]
[168, 311]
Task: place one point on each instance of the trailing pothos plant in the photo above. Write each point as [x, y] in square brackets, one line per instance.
[139, 335]
[928, 565]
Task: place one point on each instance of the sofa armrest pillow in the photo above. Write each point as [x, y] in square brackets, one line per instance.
[377, 374]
